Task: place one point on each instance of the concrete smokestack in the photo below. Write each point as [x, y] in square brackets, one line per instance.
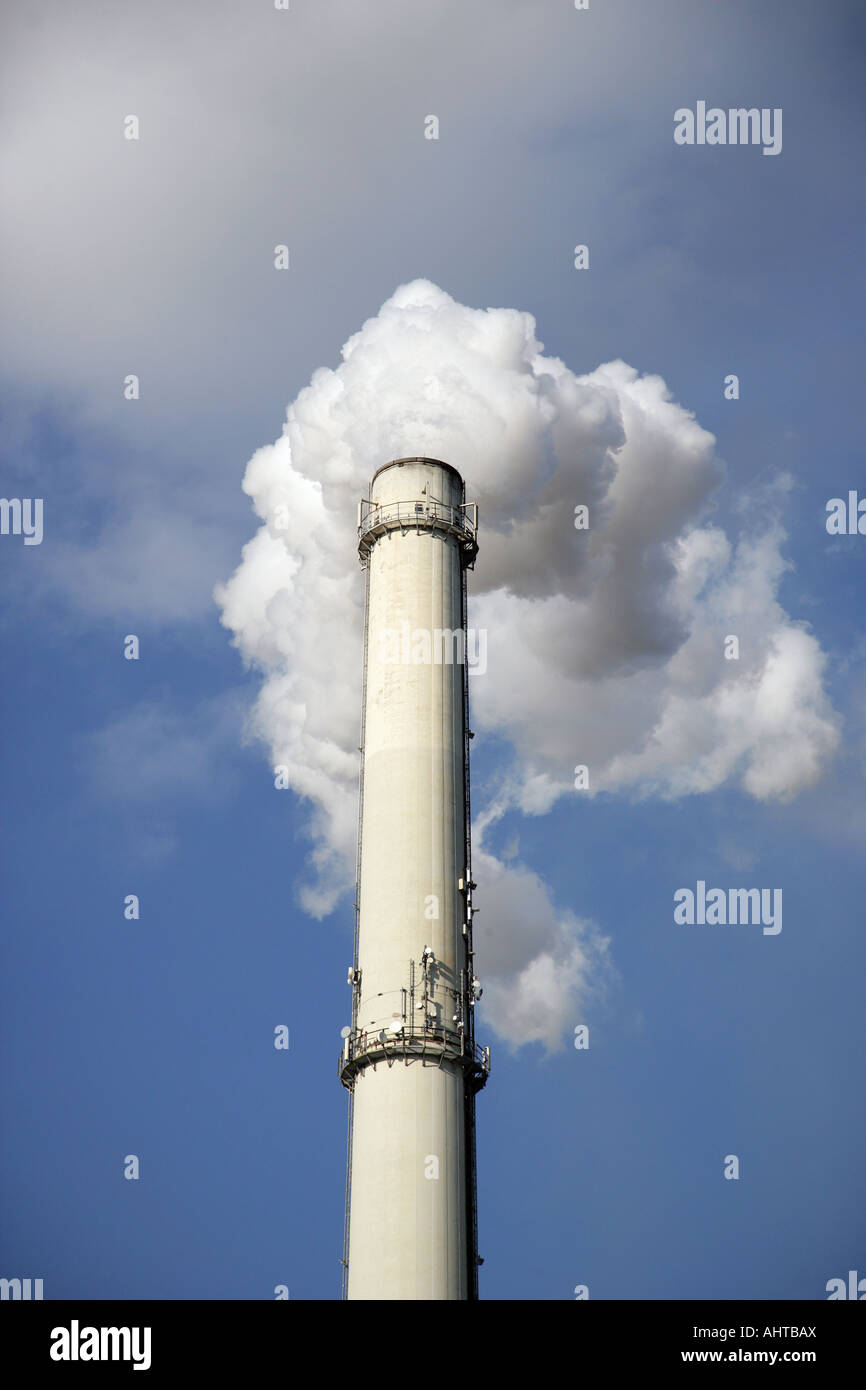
[410, 1060]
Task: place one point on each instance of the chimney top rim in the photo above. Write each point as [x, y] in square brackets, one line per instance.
[417, 458]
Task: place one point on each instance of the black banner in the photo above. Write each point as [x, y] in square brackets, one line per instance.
[66, 1338]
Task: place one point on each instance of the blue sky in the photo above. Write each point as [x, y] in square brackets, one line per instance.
[601, 1167]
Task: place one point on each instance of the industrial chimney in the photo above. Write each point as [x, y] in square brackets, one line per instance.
[409, 1060]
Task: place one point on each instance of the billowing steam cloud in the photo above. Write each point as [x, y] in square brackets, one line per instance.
[606, 645]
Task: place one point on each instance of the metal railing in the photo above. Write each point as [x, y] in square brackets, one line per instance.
[362, 1048]
[375, 519]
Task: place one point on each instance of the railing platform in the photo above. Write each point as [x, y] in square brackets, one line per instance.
[377, 520]
[367, 1049]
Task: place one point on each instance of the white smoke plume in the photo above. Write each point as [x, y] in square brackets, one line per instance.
[605, 645]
